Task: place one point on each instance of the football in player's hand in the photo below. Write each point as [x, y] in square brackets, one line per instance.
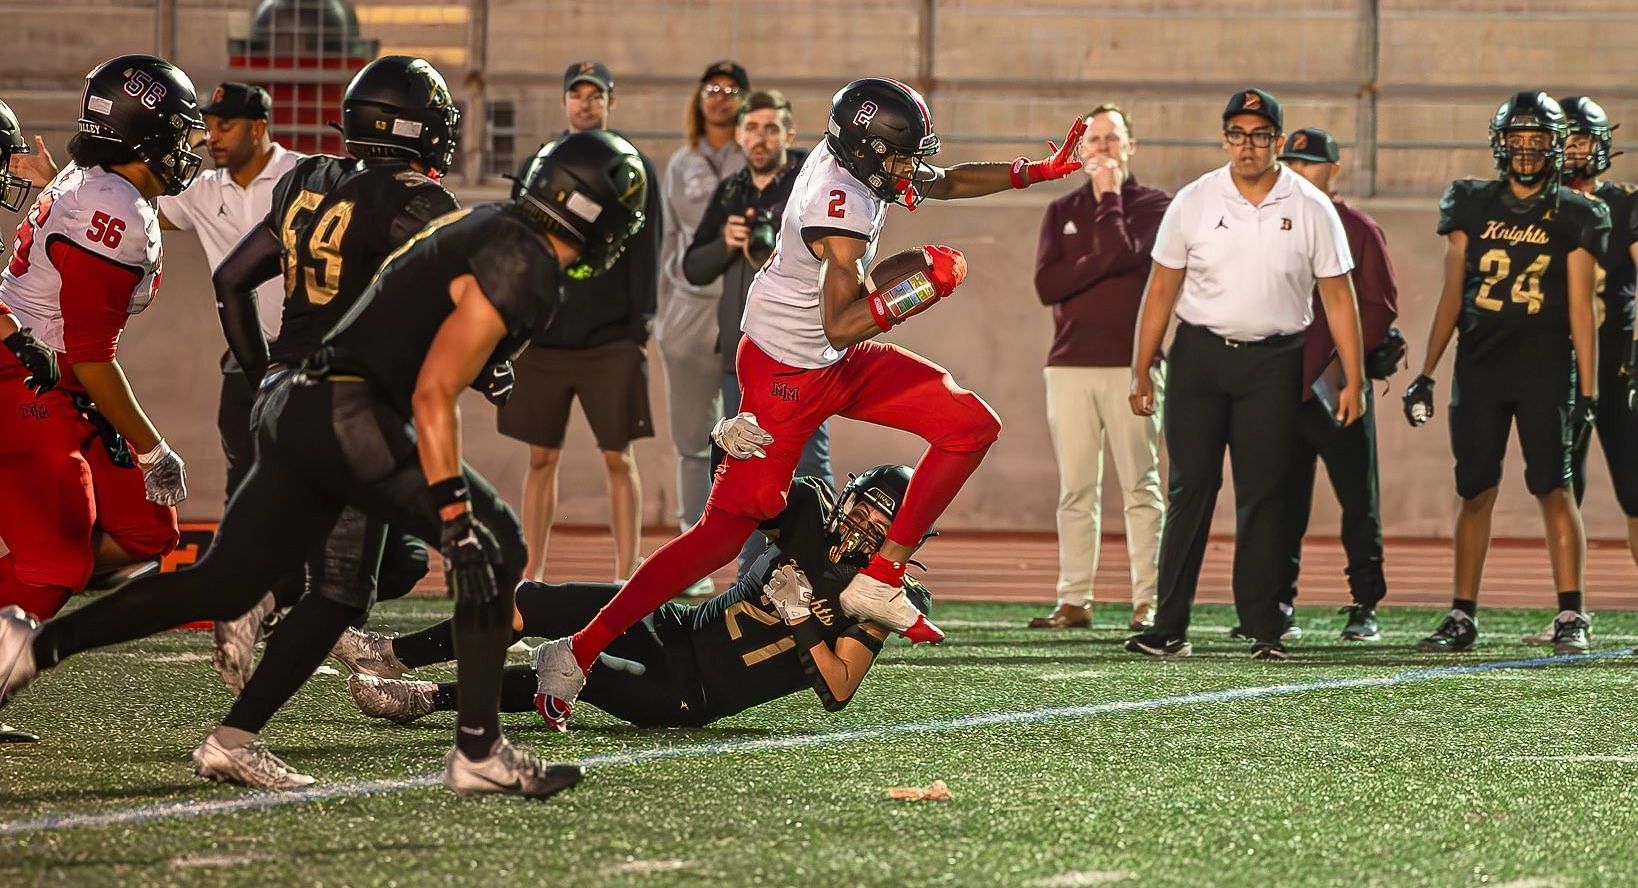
[897, 268]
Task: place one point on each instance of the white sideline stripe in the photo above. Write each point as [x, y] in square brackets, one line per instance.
[259, 801]
[1610, 759]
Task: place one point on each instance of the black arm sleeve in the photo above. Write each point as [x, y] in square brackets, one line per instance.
[645, 260]
[706, 258]
[252, 263]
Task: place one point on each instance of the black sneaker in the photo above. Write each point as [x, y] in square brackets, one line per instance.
[1456, 633]
[1239, 633]
[1361, 624]
[1570, 633]
[1289, 630]
[1151, 645]
[1270, 651]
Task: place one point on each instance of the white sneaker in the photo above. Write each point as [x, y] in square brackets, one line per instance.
[558, 682]
[703, 588]
[513, 770]
[367, 653]
[17, 631]
[235, 653]
[250, 765]
[392, 699]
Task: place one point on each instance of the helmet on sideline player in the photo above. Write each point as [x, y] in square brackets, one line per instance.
[589, 188]
[876, 122]
[399, 107]
[1586, 117]
[14, 189]
[1529, 112]
[147, 105]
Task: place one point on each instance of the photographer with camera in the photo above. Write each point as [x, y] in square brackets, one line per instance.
[735, 239]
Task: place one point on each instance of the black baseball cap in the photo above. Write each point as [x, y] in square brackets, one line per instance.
[593, 72]
[1311, 144]
[728, 68]
[234, 99]
[1258, 102]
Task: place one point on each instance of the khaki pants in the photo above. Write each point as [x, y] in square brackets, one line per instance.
[1086, 407]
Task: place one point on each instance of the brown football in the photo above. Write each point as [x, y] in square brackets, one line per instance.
[896, 269]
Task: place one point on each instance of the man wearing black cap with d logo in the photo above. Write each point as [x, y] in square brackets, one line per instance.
[1349, 451]
[1237, 257]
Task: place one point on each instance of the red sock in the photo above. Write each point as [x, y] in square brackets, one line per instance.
[883, 571]
[701, 549]
[40, 602]
[934, 483]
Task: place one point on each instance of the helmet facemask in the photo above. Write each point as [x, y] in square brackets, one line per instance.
[894, 173]
[14, 189]
[177, 163]
[1548, 148]
[859, 524]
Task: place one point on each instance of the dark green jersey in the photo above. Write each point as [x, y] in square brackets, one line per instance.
[1616, 274]
[338, 220]
[1515, 303]
[745, 653]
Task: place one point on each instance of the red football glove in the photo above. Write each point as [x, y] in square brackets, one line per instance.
[946, 269]
[1062, 162]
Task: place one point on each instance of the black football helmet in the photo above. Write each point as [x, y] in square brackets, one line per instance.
[872, 122]
[13, 189]
[400, 107]
[1535, 111]
[852, 536]
[1585, 116]
[590, 188]
[146, 104]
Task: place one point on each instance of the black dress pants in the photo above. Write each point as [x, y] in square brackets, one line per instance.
[1350, 462]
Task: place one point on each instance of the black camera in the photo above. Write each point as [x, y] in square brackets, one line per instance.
[759, 245]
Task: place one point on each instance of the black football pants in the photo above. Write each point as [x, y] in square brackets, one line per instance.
[1350, 462]
[1242, 397]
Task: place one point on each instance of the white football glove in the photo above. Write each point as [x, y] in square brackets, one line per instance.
[741, 437]
[164, 477]
[790, 592]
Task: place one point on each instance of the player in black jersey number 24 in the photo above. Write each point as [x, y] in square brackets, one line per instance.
[1519, 275]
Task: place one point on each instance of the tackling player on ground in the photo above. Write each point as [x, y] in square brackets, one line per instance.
[807, 355]
[1519, 272]
[779, 631]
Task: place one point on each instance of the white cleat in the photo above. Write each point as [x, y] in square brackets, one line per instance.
[701, 588]
[513, 770]
[558, 682]
[867, 598]
[367, 653]
[17, 631]
[235, 653]
[391, 699]
[250, 765]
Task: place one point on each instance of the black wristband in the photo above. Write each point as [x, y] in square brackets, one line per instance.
[449, 492]
[807, 633]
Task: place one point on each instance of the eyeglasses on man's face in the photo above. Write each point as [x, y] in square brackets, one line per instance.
[1261, 138]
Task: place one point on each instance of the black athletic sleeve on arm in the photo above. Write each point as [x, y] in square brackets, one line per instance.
[707, 258]
[253, 262]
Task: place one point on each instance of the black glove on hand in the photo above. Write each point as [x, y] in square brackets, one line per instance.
[471, 556]
[495, 383]
[1583, 416]
[1419, 400]
[1384, 360]
[119, 453]
[37, 358]
[1632, 377]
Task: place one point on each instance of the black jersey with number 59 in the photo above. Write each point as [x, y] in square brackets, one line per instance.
[1515, 302]
[338, 218]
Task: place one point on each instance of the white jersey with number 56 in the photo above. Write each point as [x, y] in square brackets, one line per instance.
[782, 313]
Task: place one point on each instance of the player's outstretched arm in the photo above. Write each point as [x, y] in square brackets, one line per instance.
[459, 352]
[253, 262]
[842, 307]
[978, 179]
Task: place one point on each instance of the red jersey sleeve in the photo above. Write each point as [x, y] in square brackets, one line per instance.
[96, 299]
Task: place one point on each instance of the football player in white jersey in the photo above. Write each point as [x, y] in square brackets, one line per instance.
[807, 355]
[86, 481]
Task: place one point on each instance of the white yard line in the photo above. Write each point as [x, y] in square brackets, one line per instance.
[257, 801]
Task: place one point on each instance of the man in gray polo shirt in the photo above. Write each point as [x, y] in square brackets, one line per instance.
[1238, 256]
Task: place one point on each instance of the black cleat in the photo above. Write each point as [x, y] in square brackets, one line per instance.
[1270, 651]
[1570, 633]
[1152, 645]
[9, 734]
[1239, 633]
[1361, 624]
[1456, 633]
[1289, 630]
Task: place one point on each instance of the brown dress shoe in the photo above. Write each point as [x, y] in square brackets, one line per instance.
[1143, 618]
[1065, 616]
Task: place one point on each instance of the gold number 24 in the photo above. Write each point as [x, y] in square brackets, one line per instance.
[1496, 265]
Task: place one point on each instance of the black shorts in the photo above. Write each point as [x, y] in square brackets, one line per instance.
[611, 381]
[1484, 406]
[1617, 431]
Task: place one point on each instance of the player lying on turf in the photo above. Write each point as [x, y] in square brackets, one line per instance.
[778, 631]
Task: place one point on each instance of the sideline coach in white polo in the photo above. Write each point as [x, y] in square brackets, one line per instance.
[1238, 256]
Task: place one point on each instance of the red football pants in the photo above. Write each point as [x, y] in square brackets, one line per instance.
[874, 382]
[57, 489]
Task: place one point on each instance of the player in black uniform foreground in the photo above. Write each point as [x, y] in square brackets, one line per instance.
[468, 289]
[778, 631]
[1519, 273]
[332, 222]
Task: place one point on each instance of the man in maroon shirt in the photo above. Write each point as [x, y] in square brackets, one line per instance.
[1349, 451]
[1090, 267]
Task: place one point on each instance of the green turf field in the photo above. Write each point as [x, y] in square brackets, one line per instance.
[1093, 767]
